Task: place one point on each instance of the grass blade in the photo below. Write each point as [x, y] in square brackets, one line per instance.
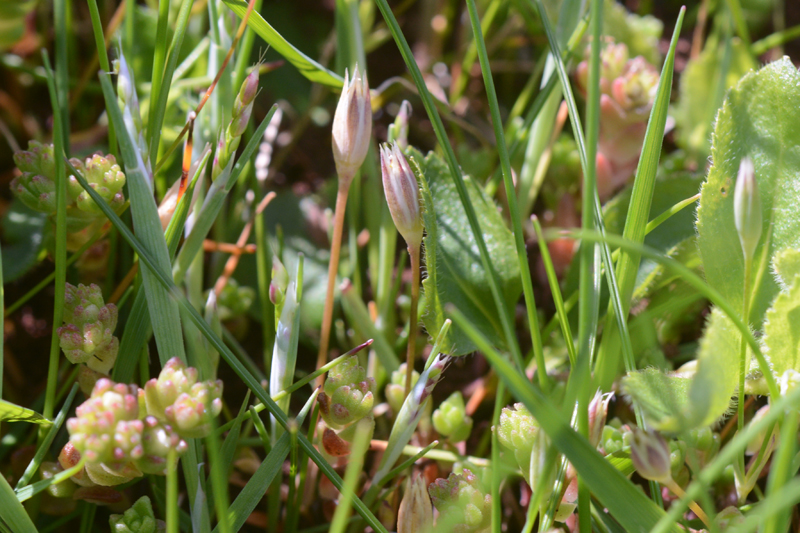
[638, 212]
[307, 66]
[163, 310]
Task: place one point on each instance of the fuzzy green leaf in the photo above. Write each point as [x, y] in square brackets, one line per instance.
[760, 118]
[674, 403]
[782, 330]
[455, 274]
[786, 266]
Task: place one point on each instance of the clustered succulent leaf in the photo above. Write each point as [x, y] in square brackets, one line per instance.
[234, 300]
[518, 431]
[463, 505]
[36, 188]
[628, 88]
[450, 419]
[347, 395]
[177, 397]
[123, 432]
[88, 334]
[139, 518]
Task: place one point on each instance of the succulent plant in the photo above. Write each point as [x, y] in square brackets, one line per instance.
[92, 431]
[651, 455]
[104, 175]
[88, 335]
[463, 505]
[35, 187]
[138, 519]
[178, 398]
[450, 419]
[517, 431]
[348, 394]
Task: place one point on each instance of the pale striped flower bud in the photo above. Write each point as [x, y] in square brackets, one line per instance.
[416, 510]
[747, 207]
[402, 194]
[352, 127]
[650, 455]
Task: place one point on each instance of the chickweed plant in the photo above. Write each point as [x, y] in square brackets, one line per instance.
[356, 265]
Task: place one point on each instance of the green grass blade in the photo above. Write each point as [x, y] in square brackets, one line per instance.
[61, 18]
[163, 278]
[160, 52]
[14, 518]
[44, 446]
[639, 211]
[60, 257]
[441, 136]
[511, 196]
[157, 112]
[307, 66]
[163, 310]
[621, 497]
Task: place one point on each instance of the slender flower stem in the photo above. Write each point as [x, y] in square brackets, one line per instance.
[413, 326]
[748, 266]
[680, 493]
[333, 269]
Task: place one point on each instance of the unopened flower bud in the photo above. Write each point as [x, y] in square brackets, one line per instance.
[173, 380]
[598, 410]
[398, 130]
[36, 186]
[450, 419]
[88, 337]
[402, 194]
[104, 176]
[158, 439]
[651, 455]
[462, 504]
[395, 390]
[280, 280]
[747, 208]
[138, 519]
[192, 412]
[416, 511]
[352, 127]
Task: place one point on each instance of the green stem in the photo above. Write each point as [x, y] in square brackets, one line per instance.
[748, 267]
[413, 326]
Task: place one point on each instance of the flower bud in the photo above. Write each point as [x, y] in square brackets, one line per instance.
[747, 208]
[104, 176]
[461, 503]
[450, 419]
[173, 380]
[651, 455]
[395, 390]
[243, 106]
[158, 439]
[138, 519]
[598, 410]
[416, 512]
[352, 127]
[402, 194]
[398, 130]
[191, 412]
[280, 280]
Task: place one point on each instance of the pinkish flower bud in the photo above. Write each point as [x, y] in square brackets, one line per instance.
[598, 410]
[747, 207]
[402, 194]
[280, 280]
[352, 127]
[416, 511]
[651, 456]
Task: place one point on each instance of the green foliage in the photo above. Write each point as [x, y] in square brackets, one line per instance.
[640, 34]
[782, 330]
[454, 269]
[16, 413]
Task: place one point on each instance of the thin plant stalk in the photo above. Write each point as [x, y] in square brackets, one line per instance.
[413, 326]
[333, 270]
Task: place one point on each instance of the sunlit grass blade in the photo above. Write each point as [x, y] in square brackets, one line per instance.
[621, 497]
[60, 140]
[636, 222]
[163, 310]
[513, 207]
[307, 66]
[156, 114]
[162, 276]
[782, 469]
[15, 518]
[441, 137]
[44, 446]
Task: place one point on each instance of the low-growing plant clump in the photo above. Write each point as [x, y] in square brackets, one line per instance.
[590, 322]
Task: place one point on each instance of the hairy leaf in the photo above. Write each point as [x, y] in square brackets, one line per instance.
[782, 330]
[453, 264]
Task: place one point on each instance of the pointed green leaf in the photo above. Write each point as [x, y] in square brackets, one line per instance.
[16, 413]
[760, 118]
[455, 274]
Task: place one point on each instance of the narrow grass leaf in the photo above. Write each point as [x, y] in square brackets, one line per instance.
[307, 66]
[14, 518]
